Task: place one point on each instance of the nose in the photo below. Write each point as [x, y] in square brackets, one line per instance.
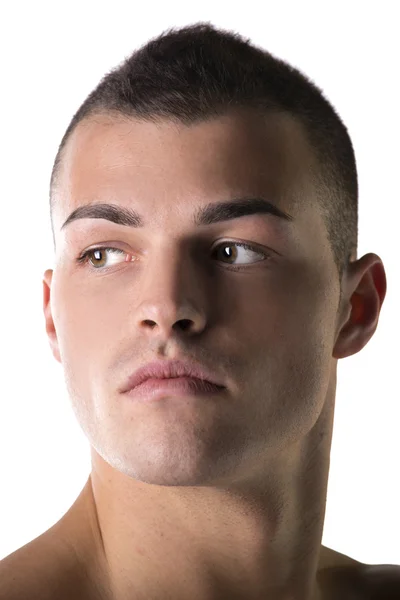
[174, 297]
[166, 323]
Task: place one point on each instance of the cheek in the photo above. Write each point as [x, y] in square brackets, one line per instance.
[86, 327]
[287, 308]
[86, 319]
[288, 351]
[286, 389]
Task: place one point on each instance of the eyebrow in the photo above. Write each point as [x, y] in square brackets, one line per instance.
[207, 215]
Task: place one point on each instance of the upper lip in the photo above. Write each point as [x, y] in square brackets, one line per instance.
[163, 369]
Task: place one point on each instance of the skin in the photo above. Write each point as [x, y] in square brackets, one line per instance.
[189, 497]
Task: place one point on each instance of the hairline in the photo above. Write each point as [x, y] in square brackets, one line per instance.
[317, 177]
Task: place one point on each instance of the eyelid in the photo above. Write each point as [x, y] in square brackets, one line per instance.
[249, 245]
[83, 259]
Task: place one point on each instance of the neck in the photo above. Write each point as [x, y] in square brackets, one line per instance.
[245, 541]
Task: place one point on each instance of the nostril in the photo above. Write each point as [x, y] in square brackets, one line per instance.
[151, 323]
[184, 324]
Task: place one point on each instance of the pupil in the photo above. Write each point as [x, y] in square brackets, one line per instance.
[229, 251]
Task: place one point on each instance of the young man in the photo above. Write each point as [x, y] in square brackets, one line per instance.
[209, 465]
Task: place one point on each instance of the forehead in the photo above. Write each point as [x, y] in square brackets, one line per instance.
[163, 164]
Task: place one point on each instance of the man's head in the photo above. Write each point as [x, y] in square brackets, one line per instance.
[180, 127]
[197, 72]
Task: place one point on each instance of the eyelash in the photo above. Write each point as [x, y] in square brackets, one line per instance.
[84, 257]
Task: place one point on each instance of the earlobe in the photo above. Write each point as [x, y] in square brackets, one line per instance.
[49, 323]
[350, 339]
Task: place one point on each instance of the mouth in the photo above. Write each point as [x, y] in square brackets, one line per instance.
[162, 370]
[157, 388]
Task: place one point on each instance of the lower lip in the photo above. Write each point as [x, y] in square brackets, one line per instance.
[151, 389]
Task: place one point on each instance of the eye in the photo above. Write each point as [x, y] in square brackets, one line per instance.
[97, 255]
[247, 248]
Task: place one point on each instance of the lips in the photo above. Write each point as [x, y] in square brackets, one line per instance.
[163, 369]
[155, 389]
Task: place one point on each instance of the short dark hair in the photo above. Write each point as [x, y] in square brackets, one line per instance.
[197, 72]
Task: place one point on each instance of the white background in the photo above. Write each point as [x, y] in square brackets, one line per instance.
[52, 55]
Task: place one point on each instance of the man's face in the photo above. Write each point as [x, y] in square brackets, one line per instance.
[268, 329]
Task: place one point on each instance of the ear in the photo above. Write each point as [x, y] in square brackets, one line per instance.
[50, 329]
[364, 290]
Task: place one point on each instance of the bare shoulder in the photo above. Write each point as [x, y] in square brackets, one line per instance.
[60, 564]
[42, 569]
[382, 581]
[343, 577]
